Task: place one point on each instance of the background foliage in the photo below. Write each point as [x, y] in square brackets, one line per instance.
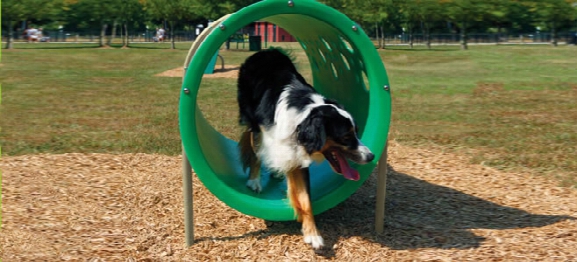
[378, 17]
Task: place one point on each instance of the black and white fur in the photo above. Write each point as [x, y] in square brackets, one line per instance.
[288, 126]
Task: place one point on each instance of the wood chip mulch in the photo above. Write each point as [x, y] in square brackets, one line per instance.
[102, 207]
[229, 71]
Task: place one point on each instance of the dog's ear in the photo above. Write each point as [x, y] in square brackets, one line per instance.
[311, 131]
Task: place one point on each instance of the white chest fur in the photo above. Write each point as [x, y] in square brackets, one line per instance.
[280, 150]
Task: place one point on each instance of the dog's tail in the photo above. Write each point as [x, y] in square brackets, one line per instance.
[246, 145]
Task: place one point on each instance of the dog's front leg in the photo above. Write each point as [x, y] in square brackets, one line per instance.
[299, 196]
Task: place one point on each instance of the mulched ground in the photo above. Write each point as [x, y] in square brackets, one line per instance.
[100, 207]
[228, 71]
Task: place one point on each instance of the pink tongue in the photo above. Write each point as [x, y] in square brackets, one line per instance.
[346, 170]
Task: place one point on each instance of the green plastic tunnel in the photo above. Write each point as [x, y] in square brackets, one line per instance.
[342, 58]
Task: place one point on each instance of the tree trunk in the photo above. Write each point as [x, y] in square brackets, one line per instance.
[410, 27]
[553, 34]
[113, 33]
[377, 34]
[463, 36]
[10, 40]
[383, 44]
[172, 44]
[428, 35]
[126, 40]
[499, 33]
[102, 35]
[122, 35]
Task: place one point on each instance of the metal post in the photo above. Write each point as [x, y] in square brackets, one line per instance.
[381, 192]
[188, 203]
[186, 168]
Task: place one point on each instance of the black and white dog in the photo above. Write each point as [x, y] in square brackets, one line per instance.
[288, 126]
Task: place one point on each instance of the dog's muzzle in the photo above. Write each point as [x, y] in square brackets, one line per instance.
[365, 154]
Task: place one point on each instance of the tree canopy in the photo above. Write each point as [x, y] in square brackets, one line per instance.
[378, 17]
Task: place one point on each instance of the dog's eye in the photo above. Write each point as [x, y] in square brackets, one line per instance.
[347, 138]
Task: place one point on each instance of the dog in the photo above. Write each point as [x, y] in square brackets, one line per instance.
[288, 125]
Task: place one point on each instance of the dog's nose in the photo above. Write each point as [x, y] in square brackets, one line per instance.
[370, 157]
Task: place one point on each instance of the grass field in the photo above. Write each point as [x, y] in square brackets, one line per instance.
[511, 107]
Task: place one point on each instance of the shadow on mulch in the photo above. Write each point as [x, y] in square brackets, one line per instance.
[418, 215]
[226, 69]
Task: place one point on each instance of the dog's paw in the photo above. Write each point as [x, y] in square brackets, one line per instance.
[254, 184]
[315, 241]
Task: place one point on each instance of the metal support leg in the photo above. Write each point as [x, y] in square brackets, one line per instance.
[187, 193]
[381, 192]
[221, 62]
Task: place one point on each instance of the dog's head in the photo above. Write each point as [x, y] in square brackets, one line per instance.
[330, 131]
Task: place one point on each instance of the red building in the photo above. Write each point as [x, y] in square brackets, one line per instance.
[272, 33]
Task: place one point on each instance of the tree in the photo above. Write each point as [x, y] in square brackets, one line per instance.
[95, 13]
[553, 14]
[409, 11]
[130, 12]
[19, 10]
[367, 13]
[499, 14]
[173, 11]
[574, 5]
[215, 9]
[428, 11]
[462, 13]
[376, 12]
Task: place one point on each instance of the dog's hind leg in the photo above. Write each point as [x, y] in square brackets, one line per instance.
[250, 160]
[254, 177]
[299, 196]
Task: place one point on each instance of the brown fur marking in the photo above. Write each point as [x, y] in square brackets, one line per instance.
[247, 154]
[300, 201]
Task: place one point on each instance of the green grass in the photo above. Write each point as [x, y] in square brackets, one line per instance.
[511, 107]
[89, 100]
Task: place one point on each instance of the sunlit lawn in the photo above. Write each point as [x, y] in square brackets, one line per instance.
[510, 107]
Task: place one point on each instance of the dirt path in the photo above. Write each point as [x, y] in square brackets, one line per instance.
[129, 208]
